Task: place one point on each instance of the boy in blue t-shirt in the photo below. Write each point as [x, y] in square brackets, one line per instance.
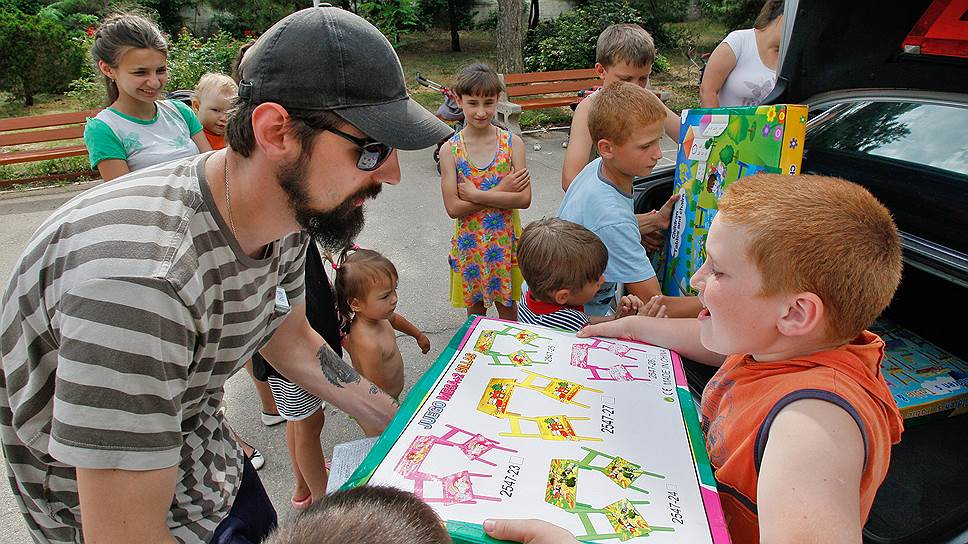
[625, 123]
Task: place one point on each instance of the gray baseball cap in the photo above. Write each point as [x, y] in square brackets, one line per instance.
[327, 58]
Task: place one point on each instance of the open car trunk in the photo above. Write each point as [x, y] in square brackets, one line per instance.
[924, 498]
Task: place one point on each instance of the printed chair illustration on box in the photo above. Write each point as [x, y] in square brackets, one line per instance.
[497, 397]
[456, 488]
[614, 373]
[520, 357]
[626, 521]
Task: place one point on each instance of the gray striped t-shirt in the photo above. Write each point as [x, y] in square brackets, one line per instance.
[129, 309]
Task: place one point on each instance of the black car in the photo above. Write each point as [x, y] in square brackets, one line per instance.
[894, 119]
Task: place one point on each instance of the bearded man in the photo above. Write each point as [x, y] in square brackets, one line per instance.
[135, 301]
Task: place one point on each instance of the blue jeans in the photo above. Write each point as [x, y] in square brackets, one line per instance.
[252, 516]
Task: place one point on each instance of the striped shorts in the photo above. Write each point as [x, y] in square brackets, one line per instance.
[292, 401]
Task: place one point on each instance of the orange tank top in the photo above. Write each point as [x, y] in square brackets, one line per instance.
[741, 401]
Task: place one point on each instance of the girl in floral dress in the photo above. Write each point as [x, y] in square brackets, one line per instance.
[484, 181]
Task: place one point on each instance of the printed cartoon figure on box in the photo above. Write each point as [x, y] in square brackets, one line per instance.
[717, 146]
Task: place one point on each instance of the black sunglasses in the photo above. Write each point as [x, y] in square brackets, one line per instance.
[373, 153]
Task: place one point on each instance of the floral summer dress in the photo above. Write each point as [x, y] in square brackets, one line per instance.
[484, 249]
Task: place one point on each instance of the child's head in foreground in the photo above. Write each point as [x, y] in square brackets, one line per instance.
[366, 284]
[795, 265]
[561, 261]
[624, 52]
[625, 123]
[213, 99]
[478, 89]
[374, 515]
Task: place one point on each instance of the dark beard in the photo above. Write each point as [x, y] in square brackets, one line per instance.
[334, 229]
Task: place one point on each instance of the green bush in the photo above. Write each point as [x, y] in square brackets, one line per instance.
[434, 14]
[489, 22]
[38, 54]
[732, 13]
[189, 58]
[568, 41]
[392, 17]
[258, 15]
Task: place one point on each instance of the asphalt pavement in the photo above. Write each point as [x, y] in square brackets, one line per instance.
[407, 223]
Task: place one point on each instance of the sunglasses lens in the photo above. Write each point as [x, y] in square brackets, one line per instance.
[373, 155]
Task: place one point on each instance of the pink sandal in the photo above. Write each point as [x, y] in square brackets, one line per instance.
[301, 505]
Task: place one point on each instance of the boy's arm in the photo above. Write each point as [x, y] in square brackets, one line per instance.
[400, 323]
[809, 480]
[679, 335]
[579, 145]
[456, 208]
[671, 124]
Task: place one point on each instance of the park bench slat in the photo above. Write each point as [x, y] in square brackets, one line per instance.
[549, 102]
[36, 136]
[557, 75]
[42, 154]
[41, 121]
[551, 88]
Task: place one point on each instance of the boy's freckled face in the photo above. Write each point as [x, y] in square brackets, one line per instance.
[623, 71]
[638, 155]
[478, 110]
[737, 318]
[212, 110]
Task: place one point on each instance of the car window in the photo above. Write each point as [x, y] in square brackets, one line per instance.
[912, 156]
[926, 134]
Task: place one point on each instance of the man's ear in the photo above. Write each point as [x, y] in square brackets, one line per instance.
[270, 125]
[804, 315]
[561, 296]
[605, 148]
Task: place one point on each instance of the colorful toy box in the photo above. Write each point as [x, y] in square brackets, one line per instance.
[927, 382]
[599, 436]
[717, 147]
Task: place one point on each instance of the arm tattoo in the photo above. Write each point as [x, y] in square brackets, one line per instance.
[337, 371]
[374, 389]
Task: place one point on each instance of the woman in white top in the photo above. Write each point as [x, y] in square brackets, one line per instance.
[137, 130]
[742, 69]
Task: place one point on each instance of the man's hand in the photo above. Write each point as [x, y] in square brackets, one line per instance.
[516, 181]
[652, 225]
[527, 531]
[423, 343]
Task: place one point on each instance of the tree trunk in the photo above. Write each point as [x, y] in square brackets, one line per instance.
[509, 22]
[454, 35]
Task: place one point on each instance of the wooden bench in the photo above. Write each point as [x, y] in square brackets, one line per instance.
[530, 90]
[57, 127]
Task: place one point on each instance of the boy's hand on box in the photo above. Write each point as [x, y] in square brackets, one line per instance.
[652, 225]
[424, 343]
[655, 307]
[516, 181]
[629, 305]
[527, 531]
